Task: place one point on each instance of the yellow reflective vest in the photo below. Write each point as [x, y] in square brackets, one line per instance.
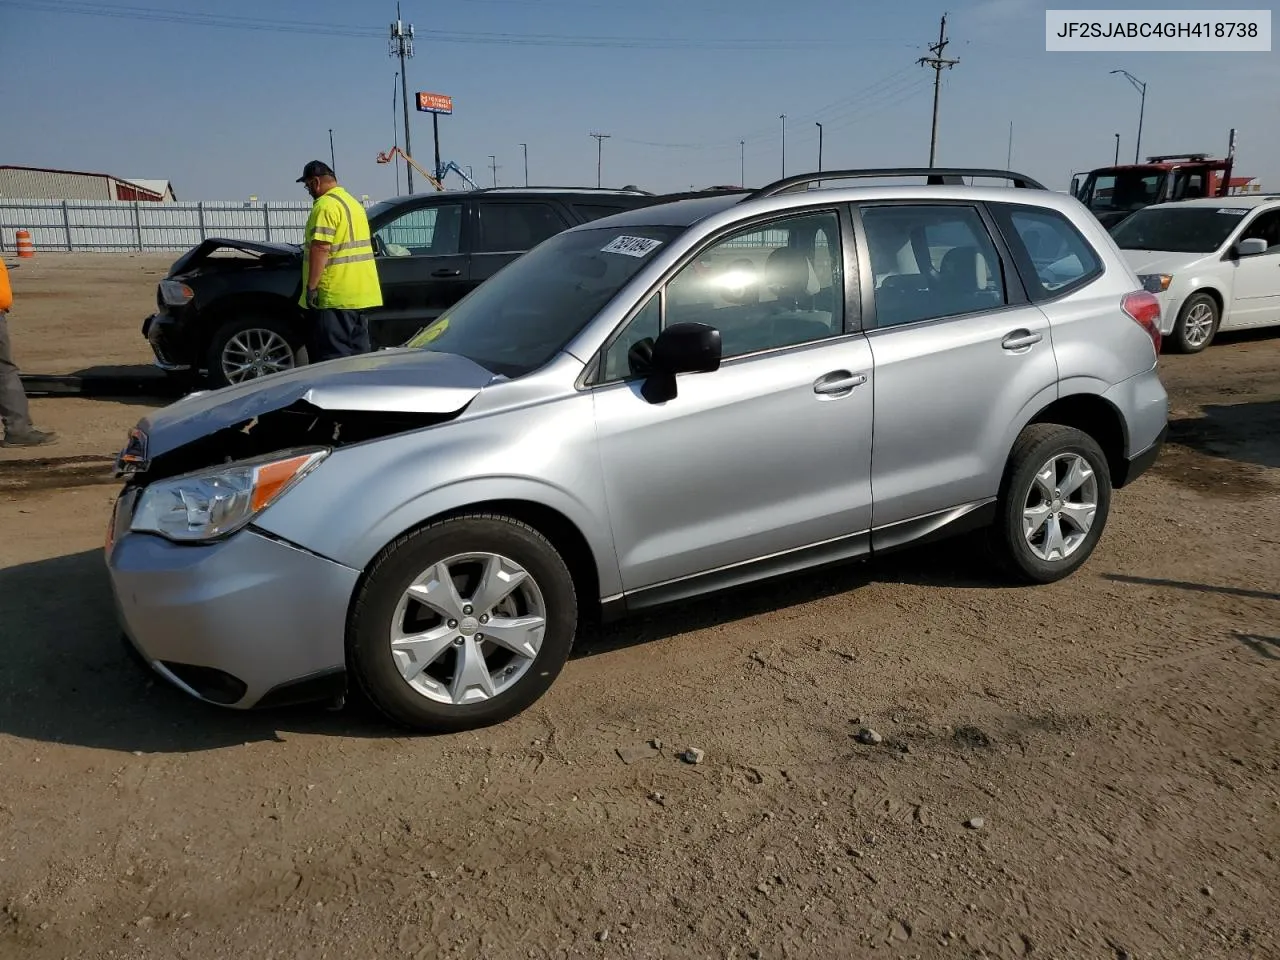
[350, 277]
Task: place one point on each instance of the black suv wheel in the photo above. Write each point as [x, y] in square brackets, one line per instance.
[250, 347]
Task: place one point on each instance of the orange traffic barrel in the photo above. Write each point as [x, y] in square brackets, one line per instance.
[25, 248]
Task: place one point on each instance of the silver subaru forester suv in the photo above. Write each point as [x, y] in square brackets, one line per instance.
[643, 409]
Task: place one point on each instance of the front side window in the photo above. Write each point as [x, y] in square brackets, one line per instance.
[519, 318]
[931, 262]
[767, 287]
[434, 231]
[1265, 227]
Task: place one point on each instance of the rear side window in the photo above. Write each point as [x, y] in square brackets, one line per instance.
[594, 211]
[516, 227]
[1053, 256]
[931, 262]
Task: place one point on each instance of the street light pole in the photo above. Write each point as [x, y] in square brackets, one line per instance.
[525, 147]
[1142, 89]
[742, 163]
[783, 118]
[819, 148]
[1117, 149]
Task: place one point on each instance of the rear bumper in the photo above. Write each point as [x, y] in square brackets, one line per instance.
[1140, 463]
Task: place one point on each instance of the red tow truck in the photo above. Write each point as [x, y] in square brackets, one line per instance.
[1114, 192]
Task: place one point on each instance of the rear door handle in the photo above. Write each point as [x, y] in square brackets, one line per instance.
[446, 272]
[838, 382]
[1020, 339]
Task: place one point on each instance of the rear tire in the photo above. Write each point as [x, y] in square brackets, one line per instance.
[1053, 504]
[266, 344]
[432, 653]
[1197, 324]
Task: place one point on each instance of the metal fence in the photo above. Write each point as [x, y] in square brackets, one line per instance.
[120, 226]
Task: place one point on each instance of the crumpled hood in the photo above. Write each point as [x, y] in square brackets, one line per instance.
[1160, 261]
[390, 381]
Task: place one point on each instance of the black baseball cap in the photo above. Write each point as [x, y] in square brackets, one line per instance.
[316, 168]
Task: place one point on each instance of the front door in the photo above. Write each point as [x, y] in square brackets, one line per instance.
[422, 268]
[957, 360]
[1256, 286]
[767, 456]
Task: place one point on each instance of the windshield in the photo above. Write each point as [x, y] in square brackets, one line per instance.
[1178, 230]
[521, 317]
[1124, 190]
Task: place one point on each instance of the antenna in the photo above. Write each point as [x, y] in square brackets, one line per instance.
[401, 45]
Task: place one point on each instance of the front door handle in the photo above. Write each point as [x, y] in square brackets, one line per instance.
[446, 272]
[838, 382]
[1020, 339]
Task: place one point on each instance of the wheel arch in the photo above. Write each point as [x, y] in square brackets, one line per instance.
[227, 309]
[1096, 416]
[563, 533]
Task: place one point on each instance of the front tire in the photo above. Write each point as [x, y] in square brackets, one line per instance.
[252, 347]
[462, 624]
[1197, 324]
[1053, 503]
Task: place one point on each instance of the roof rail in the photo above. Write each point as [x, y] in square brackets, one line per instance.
[535, 189]
[938, 176]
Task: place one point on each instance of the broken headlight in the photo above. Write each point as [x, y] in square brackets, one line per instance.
[215, 502]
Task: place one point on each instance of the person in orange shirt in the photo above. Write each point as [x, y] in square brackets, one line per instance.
[14, 412]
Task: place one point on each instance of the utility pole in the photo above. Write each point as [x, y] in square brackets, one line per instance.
[937, 62]
[819, 148]
[333, 164]
[783, 118]
[525, 148]
[1117, 161]
[494, 163]
[600, 138]
[742, 163]
[1008, 159]
[395, 128]
[402, 46]
[1142, 89]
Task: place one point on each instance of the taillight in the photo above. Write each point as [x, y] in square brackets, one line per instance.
[1144, 308]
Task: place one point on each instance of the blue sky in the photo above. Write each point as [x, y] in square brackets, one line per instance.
[229, 113]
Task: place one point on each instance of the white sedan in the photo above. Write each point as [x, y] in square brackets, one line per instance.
[1213, 262]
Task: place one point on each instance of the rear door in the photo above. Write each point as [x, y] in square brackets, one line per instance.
[422, 267]
[960, 354]
[503, 229]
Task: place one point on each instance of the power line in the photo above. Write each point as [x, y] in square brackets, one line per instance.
[230, 21]
[937, 62]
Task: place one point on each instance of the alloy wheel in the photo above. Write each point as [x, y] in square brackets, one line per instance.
[1198, 325]
[255, 353]
[468, 628]
[1060, 507]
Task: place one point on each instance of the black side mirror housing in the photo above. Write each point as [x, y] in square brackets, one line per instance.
[680, 348]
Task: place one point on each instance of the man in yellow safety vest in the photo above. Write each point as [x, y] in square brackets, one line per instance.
[339, 275]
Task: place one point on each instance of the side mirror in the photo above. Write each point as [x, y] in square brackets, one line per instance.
[1075, 187]
[1251, 247]
[680, 348]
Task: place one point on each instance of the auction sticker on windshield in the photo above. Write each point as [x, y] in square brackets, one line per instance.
[1233, 211]
[631, 246]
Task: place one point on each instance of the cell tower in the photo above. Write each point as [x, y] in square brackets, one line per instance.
[401, 45]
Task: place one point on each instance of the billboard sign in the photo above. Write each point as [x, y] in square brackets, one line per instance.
[435, 103]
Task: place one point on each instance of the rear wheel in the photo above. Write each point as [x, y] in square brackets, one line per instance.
[251, 347]
[1053, 504]
[463, 624]
[1197, 323]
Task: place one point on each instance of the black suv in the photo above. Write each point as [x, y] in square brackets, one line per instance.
[234, 316]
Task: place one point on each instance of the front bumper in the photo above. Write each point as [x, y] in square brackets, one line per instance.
[245, 622]
[163, 333]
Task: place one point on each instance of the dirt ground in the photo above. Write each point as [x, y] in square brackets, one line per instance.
[1118, 734]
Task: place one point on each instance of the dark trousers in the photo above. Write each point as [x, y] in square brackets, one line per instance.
[336, 333]
[13, 399]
